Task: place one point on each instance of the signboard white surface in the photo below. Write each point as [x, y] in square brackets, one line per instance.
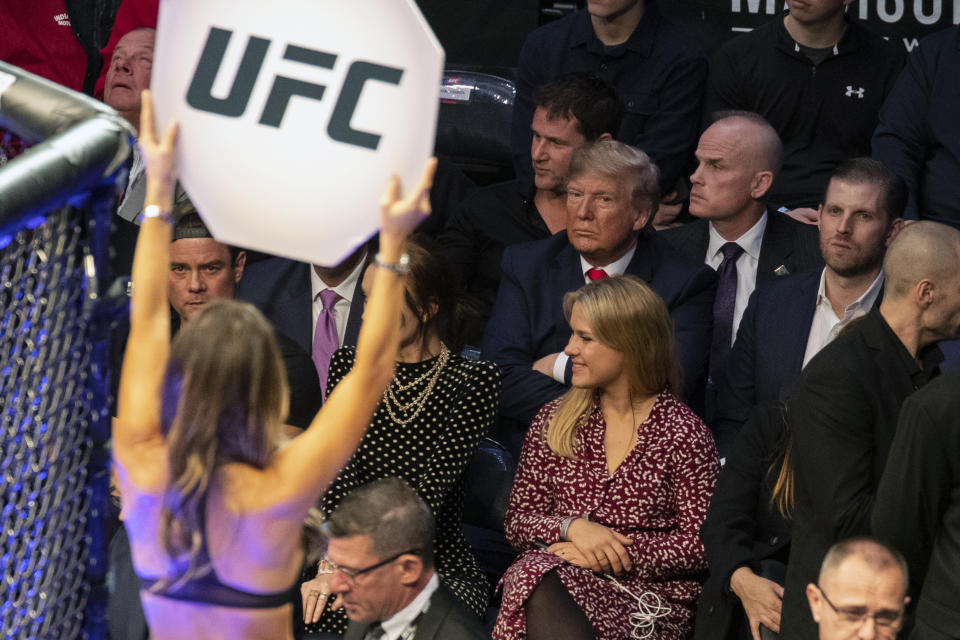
[293, 114]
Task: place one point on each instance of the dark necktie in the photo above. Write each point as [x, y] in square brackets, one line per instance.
[596, 274]
[724, 303]
[325, 339]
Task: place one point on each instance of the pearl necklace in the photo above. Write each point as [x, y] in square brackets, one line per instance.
[417, 403]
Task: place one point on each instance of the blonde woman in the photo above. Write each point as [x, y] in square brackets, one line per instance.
[213, 500]
[612, 485]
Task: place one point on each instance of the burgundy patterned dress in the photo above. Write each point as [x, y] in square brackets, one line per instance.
[658, 497]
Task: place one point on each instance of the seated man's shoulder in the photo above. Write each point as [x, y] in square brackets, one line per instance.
[746, 49]
[533, 255]
[267, 270]
[457, 620]
[501, 200]
[556, 32]
[681, 236]
[873, 44]
[670, 253]
[941, 47]
[677, 40]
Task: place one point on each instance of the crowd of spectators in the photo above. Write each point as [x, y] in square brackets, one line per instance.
[705, 319]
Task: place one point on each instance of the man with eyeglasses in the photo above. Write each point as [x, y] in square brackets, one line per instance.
[380, 561]
[861, 592]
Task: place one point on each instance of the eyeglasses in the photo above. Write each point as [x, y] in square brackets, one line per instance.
[329, 566]
[885, 620]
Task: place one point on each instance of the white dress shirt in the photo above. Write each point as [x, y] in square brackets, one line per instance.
[747, 263]
[615, 268]
[341, 310]
[395, 625]
[826, 325]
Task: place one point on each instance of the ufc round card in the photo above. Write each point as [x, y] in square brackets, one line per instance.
[294, 113]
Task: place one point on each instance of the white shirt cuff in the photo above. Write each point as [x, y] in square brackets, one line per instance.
[560, 367]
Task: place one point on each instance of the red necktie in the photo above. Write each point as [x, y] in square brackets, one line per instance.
[596, 274]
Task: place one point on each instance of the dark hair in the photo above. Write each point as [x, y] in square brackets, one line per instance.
[430, 283]
[224, 399]
[584, 97]
[189, 224]
[391, 513]
[869, 171]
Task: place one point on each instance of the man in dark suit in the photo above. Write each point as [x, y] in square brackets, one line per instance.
[380, 556]
[843, 411]
[918, 507]
[738, 158]
[291, 294]
[611, 197]
[570, 111]
[789, 320]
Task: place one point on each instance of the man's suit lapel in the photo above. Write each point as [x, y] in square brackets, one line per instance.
[356, 315]
[775, 250]
[568, 267]
[807, 302]
[428, 626]
[296, 311]
[645, 256]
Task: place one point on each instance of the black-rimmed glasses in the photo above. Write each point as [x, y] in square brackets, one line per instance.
[329, 566]
[885, 619]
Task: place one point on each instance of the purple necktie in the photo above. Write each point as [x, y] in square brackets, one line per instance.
[325, 340]
[724, 303]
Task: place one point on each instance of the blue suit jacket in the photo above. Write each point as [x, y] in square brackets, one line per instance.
[527, 322]
[280, 289]
[767, 355]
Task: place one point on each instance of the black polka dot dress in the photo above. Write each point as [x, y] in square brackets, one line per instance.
[431, 453]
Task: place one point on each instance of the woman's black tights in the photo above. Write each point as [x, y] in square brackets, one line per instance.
[552, 613]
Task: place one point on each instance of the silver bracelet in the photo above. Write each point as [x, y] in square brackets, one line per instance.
[400, 267]
[565, 526]
[152, 211]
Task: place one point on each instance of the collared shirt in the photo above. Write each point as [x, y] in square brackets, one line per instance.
[341, 310]
[826, 325]
[395, 625]
[746, 264]
[616, 268]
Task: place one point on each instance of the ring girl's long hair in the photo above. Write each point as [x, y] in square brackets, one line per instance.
[224, 399]
[628, 316]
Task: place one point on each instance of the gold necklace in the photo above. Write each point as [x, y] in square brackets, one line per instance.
[417, 403]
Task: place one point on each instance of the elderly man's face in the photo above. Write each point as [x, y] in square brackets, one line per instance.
[856, 602]
[200, 271]
[602, 217]
[129, 70]
[373, 595]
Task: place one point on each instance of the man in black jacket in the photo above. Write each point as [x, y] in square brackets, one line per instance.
[918, 508]
[843, 412]
[819, 79]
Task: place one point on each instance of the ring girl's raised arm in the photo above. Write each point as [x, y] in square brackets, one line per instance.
[148, 345]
